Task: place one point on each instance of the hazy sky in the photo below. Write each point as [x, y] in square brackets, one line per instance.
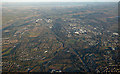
[60, 0]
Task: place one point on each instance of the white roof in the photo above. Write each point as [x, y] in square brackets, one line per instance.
[115, 34]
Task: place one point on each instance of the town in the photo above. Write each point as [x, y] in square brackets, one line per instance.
[61, 37]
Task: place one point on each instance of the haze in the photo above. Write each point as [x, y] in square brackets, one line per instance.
[60, 0]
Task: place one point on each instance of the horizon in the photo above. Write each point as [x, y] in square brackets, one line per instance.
[59, 1]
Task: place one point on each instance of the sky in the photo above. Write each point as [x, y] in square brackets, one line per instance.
[60, 0]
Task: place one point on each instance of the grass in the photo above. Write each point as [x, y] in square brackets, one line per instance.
[4, 50]
[7, 52]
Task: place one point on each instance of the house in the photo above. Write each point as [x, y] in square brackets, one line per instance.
[76, 32]
[45, 51]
